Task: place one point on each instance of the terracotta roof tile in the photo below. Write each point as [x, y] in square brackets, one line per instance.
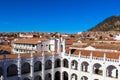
[112, 55]
[5, 48]
[29, 40]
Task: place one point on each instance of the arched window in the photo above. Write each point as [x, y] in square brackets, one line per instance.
[74, 65]
[97, 69]
[37, 66]
[57, 63]
[84, 66]
[61, 47]
[65, 63]
[112, 71]
[12, 70]
[65, 75]
[1, 71]
[26, 78]
[84, 78]
[25, 68]
[38, 78]
[57, 76]
[48, 77]
[48, 64]
[74, 77]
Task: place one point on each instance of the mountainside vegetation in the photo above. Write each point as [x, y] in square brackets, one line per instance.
[110, 24]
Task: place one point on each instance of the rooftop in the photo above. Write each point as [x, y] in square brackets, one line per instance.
[29, 40]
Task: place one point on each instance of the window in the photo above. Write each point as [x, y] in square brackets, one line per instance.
[33, 45]
[16, 49]
[49, 47]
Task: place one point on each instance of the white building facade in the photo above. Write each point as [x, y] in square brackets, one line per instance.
[29, 45]
[60, 66]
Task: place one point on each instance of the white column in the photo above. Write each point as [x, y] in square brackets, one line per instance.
[32, 67]
[104, 67]
[69, 74]
[84, 68]
[79, 67]
[69, 53]
[113, 73]
[43, 66]
[53, 66]
[61, 76]
[58, 46]
[63, 46]
[90, 67]
[19, 66]
[2, 78]
[107, 73]
[119, 69]
[5, 67]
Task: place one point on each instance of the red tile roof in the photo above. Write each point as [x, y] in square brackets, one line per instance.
[29, 40]
[113, 55]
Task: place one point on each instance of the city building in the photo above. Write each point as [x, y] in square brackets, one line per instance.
[28, 45]
[75, 63]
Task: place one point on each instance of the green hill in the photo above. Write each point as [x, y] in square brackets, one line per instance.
[110, 24]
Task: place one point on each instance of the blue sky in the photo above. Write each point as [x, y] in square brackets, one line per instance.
[66, 16]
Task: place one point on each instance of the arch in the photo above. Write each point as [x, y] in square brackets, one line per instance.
[37, 66]
[65, 63]
[65, 75]
[74, 77]
[48, 77]
[84, 66]
[1, 71]
[74, 65]
[38, 78]
[25, 68]
[12, 70]
[84, 78]
[112, 71]
[57, 63]
[61, 47]
[97, 69]
[48, 64]
[57, 76]
[26, 78]
[73, 50]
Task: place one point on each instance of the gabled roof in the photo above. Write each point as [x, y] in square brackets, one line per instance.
[89, 48]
